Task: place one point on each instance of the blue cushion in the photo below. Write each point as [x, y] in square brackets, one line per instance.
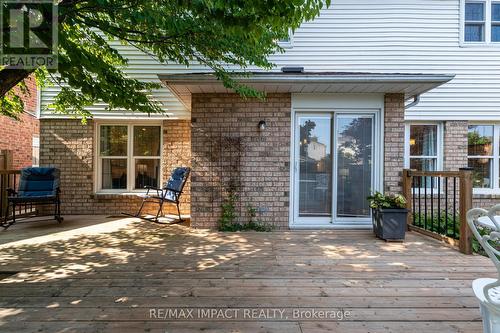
[39, 182]
[176, 182]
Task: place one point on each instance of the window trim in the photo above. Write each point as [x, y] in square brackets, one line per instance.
[438, 157]
[487, 25]
[130, 156]
[495, 157]
[287, 44]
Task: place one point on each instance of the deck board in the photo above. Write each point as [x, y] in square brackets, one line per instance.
[98, 274]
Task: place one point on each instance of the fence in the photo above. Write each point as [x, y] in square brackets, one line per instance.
[438, 202]
[5, 159]
[10, 179]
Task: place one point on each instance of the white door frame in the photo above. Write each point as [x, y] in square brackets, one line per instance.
[377, 170]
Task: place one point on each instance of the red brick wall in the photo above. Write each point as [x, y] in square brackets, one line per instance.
[17, 135]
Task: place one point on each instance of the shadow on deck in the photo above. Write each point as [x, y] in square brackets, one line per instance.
[94, 274]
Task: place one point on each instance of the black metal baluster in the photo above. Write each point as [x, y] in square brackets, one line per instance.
[446, 205]
[432, 203]
[439, 205]
[419, 201]
[454, 207]
[413, 198]
[425, 203]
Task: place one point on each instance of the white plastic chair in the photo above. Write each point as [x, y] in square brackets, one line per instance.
[487, 291]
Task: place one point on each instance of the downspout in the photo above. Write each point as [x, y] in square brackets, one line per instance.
[416, 100]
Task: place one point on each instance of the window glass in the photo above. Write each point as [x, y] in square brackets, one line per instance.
[495, 22]
[423, 147]
[423, 140]
[113, 140]
[474, 33]
[495, 33]
[480, 140]
[480, 151]
[474, 11]
[147, 140]
[114, 173]
[315, 167]
[423, 164]
[129, 157]
[474, 22]
[147, 172]
[481, 175]
[495, 12]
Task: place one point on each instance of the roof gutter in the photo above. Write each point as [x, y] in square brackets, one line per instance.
[208, 78]
[416, 100]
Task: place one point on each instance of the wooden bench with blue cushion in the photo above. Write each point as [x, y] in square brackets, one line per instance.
[37, 186]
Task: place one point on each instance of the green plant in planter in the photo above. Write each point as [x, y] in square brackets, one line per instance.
[379, 200]
[389, 216]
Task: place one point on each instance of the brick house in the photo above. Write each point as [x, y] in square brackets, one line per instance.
[384, 87]
[21, 137]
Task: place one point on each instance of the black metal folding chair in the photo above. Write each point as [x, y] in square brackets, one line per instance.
[37, 186]
[170, 193]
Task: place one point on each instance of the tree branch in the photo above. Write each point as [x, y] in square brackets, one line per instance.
[10, 77]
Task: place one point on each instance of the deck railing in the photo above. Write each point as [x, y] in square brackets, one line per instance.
[10, 179]
[438, 202]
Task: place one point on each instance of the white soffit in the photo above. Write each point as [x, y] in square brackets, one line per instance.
[184, 85]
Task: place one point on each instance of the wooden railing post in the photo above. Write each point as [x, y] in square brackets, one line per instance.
[407, 194]
[465, 200]
[3, 194]
[5, 159]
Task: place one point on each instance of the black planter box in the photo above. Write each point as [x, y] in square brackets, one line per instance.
[390, 223]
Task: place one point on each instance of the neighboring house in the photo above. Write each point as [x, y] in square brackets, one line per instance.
[21, 137]
[365, 63]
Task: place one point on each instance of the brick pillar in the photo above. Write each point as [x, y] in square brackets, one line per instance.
[394, 135]
[455, 145]
[176, 153]
[67, 144]
[228, 148]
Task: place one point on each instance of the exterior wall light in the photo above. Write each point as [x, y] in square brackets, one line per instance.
[262, 125]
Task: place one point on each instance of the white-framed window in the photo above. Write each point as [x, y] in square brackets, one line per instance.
[484, 157]
[287, 43]
[128, 156]
[480, 22]
[423, 146]
[36, 150]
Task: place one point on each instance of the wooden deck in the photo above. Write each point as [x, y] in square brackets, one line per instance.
[98, 274]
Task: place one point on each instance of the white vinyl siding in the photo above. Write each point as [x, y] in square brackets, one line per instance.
[389, 36]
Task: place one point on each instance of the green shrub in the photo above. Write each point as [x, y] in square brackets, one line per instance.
[227, 221]
[437, 223]
[379, 200]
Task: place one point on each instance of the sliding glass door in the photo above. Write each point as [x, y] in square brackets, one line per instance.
[334, 171]
[354, 165]
[315, 166]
